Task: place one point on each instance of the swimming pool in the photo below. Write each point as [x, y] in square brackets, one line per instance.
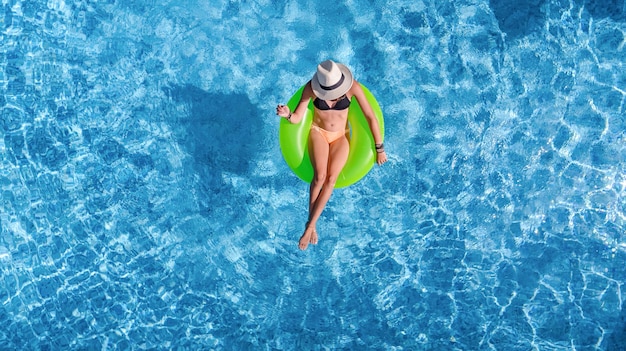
[145, 203]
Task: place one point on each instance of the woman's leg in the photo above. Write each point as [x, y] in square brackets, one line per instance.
[318, 153]
[338, 155]
[336, 159]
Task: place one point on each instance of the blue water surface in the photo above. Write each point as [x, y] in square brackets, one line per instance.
[145, 204]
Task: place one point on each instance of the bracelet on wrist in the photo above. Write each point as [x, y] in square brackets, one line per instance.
[289, 117]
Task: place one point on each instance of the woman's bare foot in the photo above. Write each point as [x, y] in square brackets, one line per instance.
[305, 239]
[313, 239]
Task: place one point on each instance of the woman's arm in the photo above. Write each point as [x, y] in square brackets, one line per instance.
[357, 91]
[300, 111]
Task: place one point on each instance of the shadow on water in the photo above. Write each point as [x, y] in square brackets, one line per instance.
[617, 339]
[221, 134]
[521, 18]
[615, 9]
[518, 18]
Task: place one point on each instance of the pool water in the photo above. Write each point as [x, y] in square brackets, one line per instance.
[145, 203]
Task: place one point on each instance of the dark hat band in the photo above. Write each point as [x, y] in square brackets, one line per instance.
[334, 86]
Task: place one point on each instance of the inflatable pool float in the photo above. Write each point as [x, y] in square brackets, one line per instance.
[294, 141]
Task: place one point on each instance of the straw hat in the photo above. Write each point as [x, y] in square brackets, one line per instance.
[331, 80]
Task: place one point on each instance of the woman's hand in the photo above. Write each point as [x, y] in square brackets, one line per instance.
[381, 157]
[283, 111]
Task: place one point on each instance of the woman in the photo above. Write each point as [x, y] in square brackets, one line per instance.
[332, 88]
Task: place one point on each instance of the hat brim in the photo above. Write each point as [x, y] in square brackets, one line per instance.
[337, 92]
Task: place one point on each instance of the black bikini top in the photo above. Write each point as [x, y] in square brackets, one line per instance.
[342, 104]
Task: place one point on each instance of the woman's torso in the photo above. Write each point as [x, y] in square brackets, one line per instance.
[331, 115]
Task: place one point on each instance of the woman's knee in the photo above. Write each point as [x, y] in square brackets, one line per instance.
[331, 180]
[319, 177]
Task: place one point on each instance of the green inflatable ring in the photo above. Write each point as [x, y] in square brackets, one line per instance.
[294, 141]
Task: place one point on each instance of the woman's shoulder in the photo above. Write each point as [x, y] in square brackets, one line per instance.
[355, 85]
[308, 90]
[355, 89]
